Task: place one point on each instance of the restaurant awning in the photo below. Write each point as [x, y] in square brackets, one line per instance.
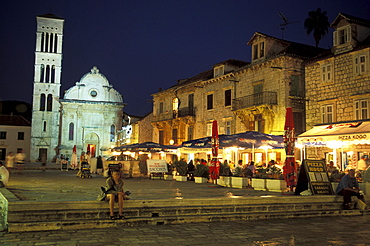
[145, 147]
[352, 132]
[248, 140]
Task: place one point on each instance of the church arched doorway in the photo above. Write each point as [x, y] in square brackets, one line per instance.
[92, 144]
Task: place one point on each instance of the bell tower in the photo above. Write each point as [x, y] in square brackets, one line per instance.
[46, 86]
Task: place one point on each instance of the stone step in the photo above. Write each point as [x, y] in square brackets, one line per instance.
[64, 205]
[34, 216]
[162, 220]
[80, 214]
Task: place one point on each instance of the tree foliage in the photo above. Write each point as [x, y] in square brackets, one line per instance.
[317, 23]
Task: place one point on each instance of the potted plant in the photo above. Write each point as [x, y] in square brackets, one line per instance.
[225, 175]
[275, 181]
[241, 177]
[274, 172]
[201, 173]
[365, 184]
[168, 175]
[259, 181]
[181, 170]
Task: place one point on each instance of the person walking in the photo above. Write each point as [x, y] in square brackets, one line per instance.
[74, 159]
[361, 164]
[99, 165]
[43, 162]
[88, 157]
[20, 157]
[9, 161]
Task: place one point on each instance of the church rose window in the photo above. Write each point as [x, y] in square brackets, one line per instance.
[93, 93]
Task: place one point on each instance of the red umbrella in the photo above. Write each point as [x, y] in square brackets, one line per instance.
[215, 164]
[290, 169]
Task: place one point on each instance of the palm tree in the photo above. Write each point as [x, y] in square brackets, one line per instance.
[318, 23]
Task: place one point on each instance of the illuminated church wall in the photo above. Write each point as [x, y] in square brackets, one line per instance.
[89, 115]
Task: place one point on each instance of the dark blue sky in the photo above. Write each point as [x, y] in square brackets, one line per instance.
[141, 46]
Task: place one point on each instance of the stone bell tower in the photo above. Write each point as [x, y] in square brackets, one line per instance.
[46, 86]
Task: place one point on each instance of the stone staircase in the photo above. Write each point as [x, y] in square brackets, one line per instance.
[39, 216]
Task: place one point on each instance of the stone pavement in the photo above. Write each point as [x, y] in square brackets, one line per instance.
[302, 232]
[56, 185]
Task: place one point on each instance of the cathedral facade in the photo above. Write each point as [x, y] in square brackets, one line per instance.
[88, 116]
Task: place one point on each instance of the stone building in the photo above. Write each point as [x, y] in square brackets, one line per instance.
[88, 116]
[338, 95]
[135, 129]
[15, 127]
[46, 86]
[240, 95]
[15, 132]
[91, 115]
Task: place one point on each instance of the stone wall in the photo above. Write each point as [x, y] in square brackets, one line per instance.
[345, 87]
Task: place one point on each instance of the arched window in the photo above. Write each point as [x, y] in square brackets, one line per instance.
[42, 41]
[44, 126]
[71, 131]
[50, 103]
[112, 133]
[42, 73]
[52, 74]
[42, 102]
[47, 74]
[51, 42]
[175, 107]
[46, 42]
[56, 43]
[175, 104]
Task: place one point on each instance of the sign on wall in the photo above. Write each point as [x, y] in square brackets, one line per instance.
[156, 166]
[314, 174]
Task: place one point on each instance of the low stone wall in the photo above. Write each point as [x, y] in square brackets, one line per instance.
[364, 186]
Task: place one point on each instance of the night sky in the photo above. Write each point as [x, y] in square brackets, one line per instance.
[141, 46]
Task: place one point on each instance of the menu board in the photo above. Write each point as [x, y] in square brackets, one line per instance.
[314, 174]
[156, 166]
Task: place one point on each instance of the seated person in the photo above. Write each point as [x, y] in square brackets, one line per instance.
[336, 176]
[270, 166]
[331, 168]
[348, 186]
[115, 193]
[252, 168]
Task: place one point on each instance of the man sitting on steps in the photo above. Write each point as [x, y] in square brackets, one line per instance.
[347, 187]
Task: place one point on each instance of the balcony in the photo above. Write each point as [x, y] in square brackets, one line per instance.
[267, 97]
[182, 112]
